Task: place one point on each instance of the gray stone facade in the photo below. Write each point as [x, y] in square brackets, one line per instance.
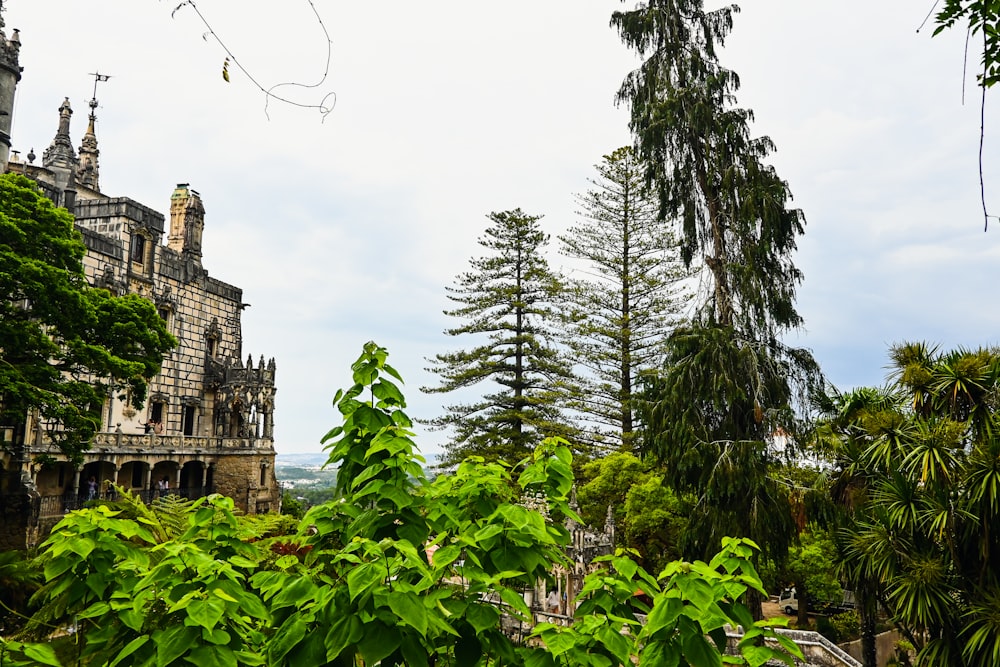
[207, 424]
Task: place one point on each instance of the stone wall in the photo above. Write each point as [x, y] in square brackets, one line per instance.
[885, 647]
[15, 513]
[817, 649]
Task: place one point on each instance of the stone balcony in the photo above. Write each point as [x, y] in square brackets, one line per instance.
[163, 445]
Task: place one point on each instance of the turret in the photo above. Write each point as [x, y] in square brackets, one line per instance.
[10, 74]
[87, 175]
[187, 222]
[60, 158]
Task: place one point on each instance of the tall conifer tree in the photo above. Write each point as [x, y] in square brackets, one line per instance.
[627, 300]
[730, 384]
[507, 301]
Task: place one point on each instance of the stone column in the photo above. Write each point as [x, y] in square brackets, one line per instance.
[113, 478]
[268, 424]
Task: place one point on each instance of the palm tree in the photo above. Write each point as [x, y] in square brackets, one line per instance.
[918, 470]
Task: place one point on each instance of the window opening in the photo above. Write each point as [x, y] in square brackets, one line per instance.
[188, 425]
[138, 249]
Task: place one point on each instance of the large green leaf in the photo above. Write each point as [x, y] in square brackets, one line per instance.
[206, 613]
[286, 637]
[377, 642]
[410, 609]
[698, 651]
[42, 653]
[345, 630]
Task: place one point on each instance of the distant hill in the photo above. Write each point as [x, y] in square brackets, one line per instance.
[300, 459]
[304, 470]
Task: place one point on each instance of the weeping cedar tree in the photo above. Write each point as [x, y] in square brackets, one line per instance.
[63, 344]
[507, 297]
[629, 296]
[729, 384]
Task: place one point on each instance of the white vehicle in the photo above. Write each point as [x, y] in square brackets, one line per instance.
[789, 603]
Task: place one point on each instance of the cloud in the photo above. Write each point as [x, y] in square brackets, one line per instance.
[348, 229]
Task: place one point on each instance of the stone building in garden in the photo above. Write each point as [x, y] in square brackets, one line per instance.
[207, 425]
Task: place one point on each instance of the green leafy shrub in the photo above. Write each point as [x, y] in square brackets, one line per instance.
[397, 570]
[826, 627]
[847, 625]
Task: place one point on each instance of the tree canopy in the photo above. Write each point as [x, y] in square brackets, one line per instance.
[624, 299]
[508, 298]
[63, 344]
[917, 469]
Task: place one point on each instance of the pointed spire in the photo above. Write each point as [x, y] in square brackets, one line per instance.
[60, 152]
[88, 174]
[61, 159]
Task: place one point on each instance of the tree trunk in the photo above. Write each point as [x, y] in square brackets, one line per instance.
[868, 611]
[802, 616]
[755, 603]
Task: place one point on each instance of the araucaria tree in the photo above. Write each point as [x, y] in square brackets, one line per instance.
[729, 384]
[63, 344]
[626, 301]
[507, 300]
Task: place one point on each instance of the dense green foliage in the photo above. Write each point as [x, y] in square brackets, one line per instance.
[729, 384]
[625, 303]
[64, 345]
[508, 298]
[649, 517]
[19, 579]
[812, 569]
[397, 571]
[918, 472]
[707, 168]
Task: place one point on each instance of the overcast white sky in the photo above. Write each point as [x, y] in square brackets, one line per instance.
[348, 230]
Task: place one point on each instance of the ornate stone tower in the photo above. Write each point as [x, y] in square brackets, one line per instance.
[187, 221]
[59, 157]
[87, 175]
[10, 74]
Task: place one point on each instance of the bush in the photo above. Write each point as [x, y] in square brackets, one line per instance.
[847, 625]
[825, 626]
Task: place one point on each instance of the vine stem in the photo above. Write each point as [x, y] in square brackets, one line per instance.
[323, 106]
